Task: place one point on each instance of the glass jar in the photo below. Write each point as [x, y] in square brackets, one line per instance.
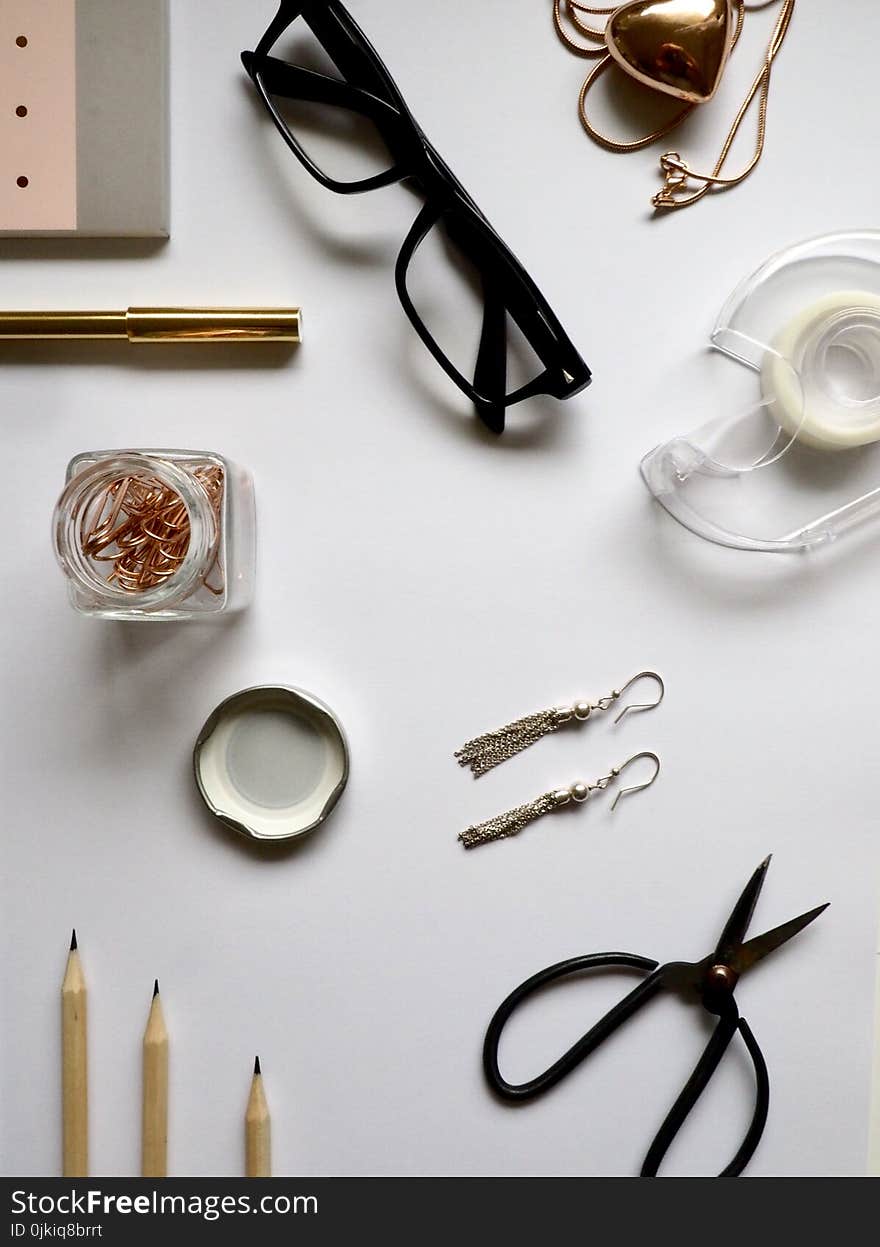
[156, 534]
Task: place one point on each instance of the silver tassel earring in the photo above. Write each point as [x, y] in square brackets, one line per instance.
[486, 751]
[513, 821]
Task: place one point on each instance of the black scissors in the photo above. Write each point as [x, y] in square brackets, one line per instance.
[710, 982]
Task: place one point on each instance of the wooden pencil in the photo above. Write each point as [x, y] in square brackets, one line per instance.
[74, 1068]
[257, 1130]
[154, 1120]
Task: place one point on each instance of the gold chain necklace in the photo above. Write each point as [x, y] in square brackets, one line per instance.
[678, 47]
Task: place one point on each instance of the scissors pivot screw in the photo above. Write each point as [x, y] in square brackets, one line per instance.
[721, 978]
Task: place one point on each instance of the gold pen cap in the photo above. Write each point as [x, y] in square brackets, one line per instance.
[157, 324]
[213, 324]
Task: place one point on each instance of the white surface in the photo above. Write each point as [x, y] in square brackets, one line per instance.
[429, 582]
[874, 1127]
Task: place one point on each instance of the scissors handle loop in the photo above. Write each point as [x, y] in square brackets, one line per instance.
[657, 978]
[584, 1046]
[728, 1024]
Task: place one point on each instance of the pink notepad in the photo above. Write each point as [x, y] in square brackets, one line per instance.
[83, 117]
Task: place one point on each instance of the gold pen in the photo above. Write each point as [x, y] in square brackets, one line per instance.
[157, 324]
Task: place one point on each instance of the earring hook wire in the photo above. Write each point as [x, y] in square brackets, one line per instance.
[618, 770]
[636, 707]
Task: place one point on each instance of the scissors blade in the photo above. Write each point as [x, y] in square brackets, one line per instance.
[738, 923]
[746, 956]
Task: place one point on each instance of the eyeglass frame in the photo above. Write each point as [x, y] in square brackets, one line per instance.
[503, 278]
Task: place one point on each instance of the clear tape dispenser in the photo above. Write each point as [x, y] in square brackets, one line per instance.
[800, 459]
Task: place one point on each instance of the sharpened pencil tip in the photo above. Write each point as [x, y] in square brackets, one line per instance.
[155, 988]
[766, 862]
[73, 941]
[257, 1069]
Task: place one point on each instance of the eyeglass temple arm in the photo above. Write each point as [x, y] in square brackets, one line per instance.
[276, 29]
[348, 46]
[295, 83]
[338, 34]
[490, 371]
[541, 329]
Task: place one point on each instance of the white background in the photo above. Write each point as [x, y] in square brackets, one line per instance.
[430, 582]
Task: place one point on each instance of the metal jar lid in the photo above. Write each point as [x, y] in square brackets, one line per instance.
[271, 762]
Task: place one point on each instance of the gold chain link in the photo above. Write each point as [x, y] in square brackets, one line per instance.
[590, 32]
[677, 174]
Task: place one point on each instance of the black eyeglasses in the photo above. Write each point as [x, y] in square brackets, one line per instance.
[516, 324]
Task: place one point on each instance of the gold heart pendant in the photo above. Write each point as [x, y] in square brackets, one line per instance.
[676, 46]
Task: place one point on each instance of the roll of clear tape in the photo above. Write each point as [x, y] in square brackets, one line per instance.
[834, 348]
